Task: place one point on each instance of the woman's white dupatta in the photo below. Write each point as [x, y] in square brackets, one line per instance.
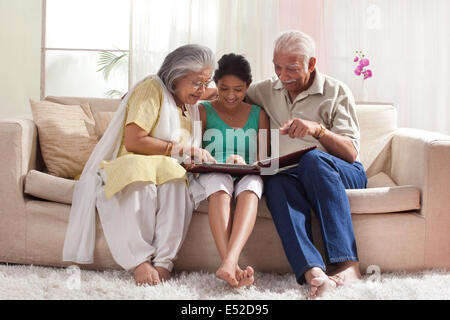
[79, 243]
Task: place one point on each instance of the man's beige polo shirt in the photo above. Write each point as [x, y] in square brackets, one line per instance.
[327, 101]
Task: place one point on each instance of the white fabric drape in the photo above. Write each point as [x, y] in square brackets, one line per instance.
[407, 42]
[246, 27]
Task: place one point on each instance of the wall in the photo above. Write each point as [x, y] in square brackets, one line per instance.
[20, 54]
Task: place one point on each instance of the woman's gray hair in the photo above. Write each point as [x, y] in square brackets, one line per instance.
[183, 60]
[296, 42]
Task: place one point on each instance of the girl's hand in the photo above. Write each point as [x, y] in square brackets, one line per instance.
[199, 155]
[235, 159]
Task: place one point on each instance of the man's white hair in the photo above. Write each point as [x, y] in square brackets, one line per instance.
[296, 42]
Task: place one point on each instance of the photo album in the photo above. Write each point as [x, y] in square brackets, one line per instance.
[273, 165]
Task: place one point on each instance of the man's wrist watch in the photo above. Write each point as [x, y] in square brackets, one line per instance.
[321, 133]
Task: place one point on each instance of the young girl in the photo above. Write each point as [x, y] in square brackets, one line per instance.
[230, 117]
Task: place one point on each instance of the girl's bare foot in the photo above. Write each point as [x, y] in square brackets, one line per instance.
[145, 273]
[318, 282]
[346, 272]
[163, 273]
[227, 272]
[246, 277]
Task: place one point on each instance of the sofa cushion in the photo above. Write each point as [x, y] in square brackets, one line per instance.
[381, 196]
[102, 109]
[102, 120]
[48, 187]
[67, 136]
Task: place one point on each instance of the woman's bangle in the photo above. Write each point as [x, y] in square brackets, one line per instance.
[169, 149]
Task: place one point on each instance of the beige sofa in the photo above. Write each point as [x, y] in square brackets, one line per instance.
[401, 221]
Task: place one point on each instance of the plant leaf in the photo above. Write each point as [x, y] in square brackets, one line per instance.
[114, 93]
[107, 61]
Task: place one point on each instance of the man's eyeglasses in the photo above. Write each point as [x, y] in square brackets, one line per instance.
[198, 84]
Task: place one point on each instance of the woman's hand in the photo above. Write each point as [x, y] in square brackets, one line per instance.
[192, 155]
[199, 155]
[299, 128]
[188, 166]
[235, 159]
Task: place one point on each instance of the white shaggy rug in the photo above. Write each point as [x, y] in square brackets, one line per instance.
[20, 282]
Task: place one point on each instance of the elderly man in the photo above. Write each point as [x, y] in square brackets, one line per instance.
[310, 108]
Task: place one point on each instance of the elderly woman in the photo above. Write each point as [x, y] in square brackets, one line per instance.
[140, 191]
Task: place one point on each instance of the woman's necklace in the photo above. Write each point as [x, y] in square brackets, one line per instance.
[228, 116]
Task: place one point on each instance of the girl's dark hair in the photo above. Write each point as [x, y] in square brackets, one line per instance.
[233, 64]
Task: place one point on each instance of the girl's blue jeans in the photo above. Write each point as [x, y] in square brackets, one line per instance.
[317, 183]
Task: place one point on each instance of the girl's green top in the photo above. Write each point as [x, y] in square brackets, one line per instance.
[221, 140]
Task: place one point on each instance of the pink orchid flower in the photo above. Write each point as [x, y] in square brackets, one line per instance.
[362, 63]
[368, 74]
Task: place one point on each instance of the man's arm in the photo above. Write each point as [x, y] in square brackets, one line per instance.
[335, 144]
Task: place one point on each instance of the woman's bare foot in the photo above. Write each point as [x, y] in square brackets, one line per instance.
[346, 272]
[145, 273]
[163, 273]
[318, 282]
[245, 277]
[227, 272]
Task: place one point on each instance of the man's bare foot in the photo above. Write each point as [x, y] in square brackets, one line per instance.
[245, 277]
[227, 272]
[346, 272]
[318, 282]
[163, 273]
[145, 273]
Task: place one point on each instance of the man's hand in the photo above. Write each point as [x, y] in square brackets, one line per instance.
[299, 128]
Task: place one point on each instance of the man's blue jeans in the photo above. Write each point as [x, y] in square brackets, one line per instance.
[318, 183]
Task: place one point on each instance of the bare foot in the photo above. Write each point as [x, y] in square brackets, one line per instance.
[227, 272]
[246, 277]
[318, 282]
[346, 272]
[145, 273]
[163, 273]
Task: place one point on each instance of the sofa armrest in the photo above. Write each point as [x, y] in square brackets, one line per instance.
[422, 158]
[18, 145]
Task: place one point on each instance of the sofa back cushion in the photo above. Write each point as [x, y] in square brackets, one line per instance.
[377, 123]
